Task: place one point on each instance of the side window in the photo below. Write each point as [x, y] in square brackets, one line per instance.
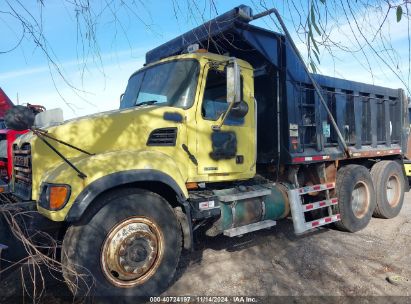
[215, 98]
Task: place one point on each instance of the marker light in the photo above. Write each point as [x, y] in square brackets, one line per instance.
[58, 195]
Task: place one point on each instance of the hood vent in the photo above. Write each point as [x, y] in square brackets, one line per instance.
[162, 137]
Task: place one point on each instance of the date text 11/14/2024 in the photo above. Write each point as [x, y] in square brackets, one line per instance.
[203, 299]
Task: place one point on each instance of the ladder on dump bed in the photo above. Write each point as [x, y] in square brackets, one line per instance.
[299, 208]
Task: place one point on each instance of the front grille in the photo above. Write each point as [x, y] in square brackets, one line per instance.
[163, 137]
[22, 171]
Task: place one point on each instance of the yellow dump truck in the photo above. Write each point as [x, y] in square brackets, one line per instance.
[223, 131]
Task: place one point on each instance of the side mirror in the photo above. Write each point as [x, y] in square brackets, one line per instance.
[239, 109]
[233, 82]
[233, 93]
[121, 97]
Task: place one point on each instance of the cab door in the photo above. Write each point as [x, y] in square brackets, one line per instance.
[228, 153]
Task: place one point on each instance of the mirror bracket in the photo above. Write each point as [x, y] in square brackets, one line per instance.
[233, 89]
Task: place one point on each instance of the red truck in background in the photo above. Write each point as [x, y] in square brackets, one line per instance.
[7, 136]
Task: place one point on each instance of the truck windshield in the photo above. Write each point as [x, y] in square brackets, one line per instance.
[170, 84]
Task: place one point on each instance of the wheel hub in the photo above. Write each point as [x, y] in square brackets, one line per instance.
[393, 190]
[360, 199]
[132, 252]
[138, 254]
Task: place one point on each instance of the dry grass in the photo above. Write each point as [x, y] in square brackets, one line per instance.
[41, 256]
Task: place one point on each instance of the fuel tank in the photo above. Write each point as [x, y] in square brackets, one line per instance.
[247, 205]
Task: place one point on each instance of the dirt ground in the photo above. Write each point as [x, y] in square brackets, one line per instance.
[276, 262]
[324, 262]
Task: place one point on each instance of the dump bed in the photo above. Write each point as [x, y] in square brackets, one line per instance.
[293, 125]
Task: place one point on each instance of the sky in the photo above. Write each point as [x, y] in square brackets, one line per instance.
[84, 78]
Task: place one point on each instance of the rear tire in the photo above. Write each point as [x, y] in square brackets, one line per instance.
[356, 198]
[129, 247]
[388, 180]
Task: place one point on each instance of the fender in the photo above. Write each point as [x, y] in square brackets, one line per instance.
[102, 184]
[108, 170]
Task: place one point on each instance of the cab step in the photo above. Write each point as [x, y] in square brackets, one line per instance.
[249, 228]
[323, 221]
[299, 209]
[237, 196]
[320, 204]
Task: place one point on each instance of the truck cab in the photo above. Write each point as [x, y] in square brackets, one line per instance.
[192, 91]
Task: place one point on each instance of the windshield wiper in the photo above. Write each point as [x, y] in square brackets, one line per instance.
[148, 102]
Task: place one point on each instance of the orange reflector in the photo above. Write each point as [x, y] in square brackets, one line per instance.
[2, 189]
[201, 51]
[57, 196]
[191, 186]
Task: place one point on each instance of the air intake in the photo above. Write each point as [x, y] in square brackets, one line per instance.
[162, 137]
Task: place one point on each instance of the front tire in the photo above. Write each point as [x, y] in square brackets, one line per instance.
[129, 247]
[356, 198]
[389, 185]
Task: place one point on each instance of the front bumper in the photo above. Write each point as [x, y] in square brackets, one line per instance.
[4, 188]
[2, 248]
[30, 223]
[13, 250]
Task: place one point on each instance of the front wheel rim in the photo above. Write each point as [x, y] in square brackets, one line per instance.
[360, 199]
[132, 252]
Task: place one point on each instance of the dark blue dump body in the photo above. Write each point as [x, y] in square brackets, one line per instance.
[373, 120]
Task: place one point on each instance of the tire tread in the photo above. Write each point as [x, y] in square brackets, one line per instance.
[377, 174]
[69, 254]
[349, 222]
